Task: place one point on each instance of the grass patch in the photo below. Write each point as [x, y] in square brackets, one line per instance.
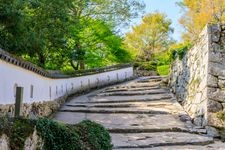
[163, 70]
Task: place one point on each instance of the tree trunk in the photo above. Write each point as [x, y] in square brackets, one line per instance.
[42, 60]
[75, 66]
[82, 66]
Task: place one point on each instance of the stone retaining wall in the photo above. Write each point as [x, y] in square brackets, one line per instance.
[198, 80]
[40, 109]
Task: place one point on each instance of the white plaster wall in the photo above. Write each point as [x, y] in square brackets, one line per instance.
[46, 89]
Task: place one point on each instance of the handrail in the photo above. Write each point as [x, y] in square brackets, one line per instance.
[7, 57]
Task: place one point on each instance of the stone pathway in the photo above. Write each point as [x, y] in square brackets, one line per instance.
[141, 114]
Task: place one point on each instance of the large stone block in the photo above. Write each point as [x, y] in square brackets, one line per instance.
[221, 82]
[216, 119]
[216, 47]
[34, 142]
[4, 142]
[215, 57]
[216, 31]
[217, 95]
[212, 132]
[212, 81]
[198, 120]
[214, 106]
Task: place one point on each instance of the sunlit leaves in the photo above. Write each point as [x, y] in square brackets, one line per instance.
[151, 36]
[197, 13]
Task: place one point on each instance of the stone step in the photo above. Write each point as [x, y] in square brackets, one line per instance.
[101, 106]
[139, 85]
[102, 111]
[152, 77]
[131, 93]
[146, 105]
[131, 89]
[155, 130]
[150, 140]
[146, 130]
[217, 145]
[125, 121]
[125, 99]
[149, 80]
[143, 107]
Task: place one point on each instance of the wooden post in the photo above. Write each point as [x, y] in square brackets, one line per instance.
[19, 101]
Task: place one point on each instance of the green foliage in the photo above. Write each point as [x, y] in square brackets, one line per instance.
[221, 115]
[150, 66]
[17, 130]
[163, 70]
[163, 58]
[97, 45]
[86, 135]
[179, 50]
[94, 136]
[149, 42]
[57, 136]
[56, 34]
[150, 37]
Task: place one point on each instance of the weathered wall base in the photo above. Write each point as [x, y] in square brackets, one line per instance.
[47, 108]
[41, 109]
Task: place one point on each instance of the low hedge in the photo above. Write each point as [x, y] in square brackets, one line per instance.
[86, 135]
[163, 70]
[94, 136]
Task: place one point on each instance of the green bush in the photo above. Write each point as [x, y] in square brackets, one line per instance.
[163, 70]
[179, 50]
[94, 136]
[17, 130]
[86, 135]
[151, 65]
[57, 136]
[163, 58]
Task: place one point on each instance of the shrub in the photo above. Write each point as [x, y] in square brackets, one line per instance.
[151, 65]
[163, 70]
[94, 136]
[57, 136]
[179, 50]
[86, 135]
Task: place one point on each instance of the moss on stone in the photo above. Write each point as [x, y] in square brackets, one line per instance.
[86, 135]
[221, 115]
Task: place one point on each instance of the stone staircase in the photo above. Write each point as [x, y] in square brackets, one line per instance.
[140, 114]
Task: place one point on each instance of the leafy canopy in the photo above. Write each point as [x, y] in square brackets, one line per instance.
[197, 13]
[151, 36]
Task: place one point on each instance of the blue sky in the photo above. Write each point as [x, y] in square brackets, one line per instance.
[168, 7]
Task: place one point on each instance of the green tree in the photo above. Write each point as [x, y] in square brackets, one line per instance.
[98, 46]
[55, 34]
[12, 25]
[34, 28]
[150, 37]
[95, 21]
[197, 13]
